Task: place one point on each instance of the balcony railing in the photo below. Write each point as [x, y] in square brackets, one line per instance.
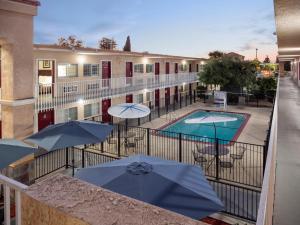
[60, 93]
[265, 210]
[12, 190]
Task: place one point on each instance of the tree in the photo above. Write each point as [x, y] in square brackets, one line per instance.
[230, 74]
[216, 54]
[107, 44]
[127, 46]
[70, 42]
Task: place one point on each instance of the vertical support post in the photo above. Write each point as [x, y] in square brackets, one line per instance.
[18, 207]
[194, 96]
[73, 163]
[265, 153]
[186, 100]
[119, 141]
[102, 147]
[158, 110]
[67, 158]
[217, 158]
[82, 159]
[180, 147]
[180, 100]
[6, 205]
[139, 121]
[174, 102]
[191, 98]
[167, 108]
[150, 111]
[148, 141]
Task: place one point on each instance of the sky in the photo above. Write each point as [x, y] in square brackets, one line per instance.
[177, 27]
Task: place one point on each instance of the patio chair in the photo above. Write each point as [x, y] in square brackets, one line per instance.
[199, 158]
[130, 143]
[140, 135]
[226, 163]
[239, 155]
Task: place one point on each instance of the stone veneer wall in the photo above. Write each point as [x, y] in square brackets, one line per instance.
[62, 200]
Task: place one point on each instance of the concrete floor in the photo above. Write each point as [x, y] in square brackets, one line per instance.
[287, 198]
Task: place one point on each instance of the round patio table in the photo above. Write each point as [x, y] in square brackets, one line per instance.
[211, 150]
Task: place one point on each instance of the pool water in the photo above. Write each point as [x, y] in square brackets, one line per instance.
[205, 131]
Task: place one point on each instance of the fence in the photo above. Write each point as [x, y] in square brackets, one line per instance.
[237, 162]
[238, 200]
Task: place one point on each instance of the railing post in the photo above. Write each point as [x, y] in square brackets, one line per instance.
[18, 207]
[180, 147]
[217, 158]
[119, 141]
[67, 158]
[82, 159]
[150, 111]
[73, 163]
[148, 141]
[174, 102]
[6, 205]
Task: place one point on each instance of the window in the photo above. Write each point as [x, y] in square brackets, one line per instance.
[91, 70]
[140, 98]
[67, 70]
[183, 67]
[148, 96]
[71, 114]
[149, 68]
[139, 68]
[91, 110]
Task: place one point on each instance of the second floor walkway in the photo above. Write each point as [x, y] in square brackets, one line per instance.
[287, 199]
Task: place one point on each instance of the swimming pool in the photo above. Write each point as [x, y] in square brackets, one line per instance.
[227, 129]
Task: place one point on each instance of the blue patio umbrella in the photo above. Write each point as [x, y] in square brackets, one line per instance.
[69, 134]
[12, 150]
[178, 187]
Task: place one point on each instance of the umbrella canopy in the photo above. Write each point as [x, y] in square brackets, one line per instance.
[178, 187]
[69, 134]
[12, 150]
[129, 111]
[211, 119]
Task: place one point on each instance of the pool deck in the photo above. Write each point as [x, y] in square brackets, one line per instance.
[254, 132]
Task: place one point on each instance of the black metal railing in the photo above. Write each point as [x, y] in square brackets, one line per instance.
[237, 162]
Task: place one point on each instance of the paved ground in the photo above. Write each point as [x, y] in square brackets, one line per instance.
[287, 199]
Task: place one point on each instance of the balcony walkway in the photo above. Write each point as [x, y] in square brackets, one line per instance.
[287, 198]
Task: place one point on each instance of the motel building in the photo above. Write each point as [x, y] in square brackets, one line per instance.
[48, 84]
[72, 84]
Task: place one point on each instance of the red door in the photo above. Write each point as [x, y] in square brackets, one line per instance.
[156, 68]
[176, 94]
[167, 96]
[167, 68]
[190, 68]
[0, 66]
[176, 68]
[157, 98]
[129, 98]
[129, 70]
[45, 119]
[106, 103]
[106, 69]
